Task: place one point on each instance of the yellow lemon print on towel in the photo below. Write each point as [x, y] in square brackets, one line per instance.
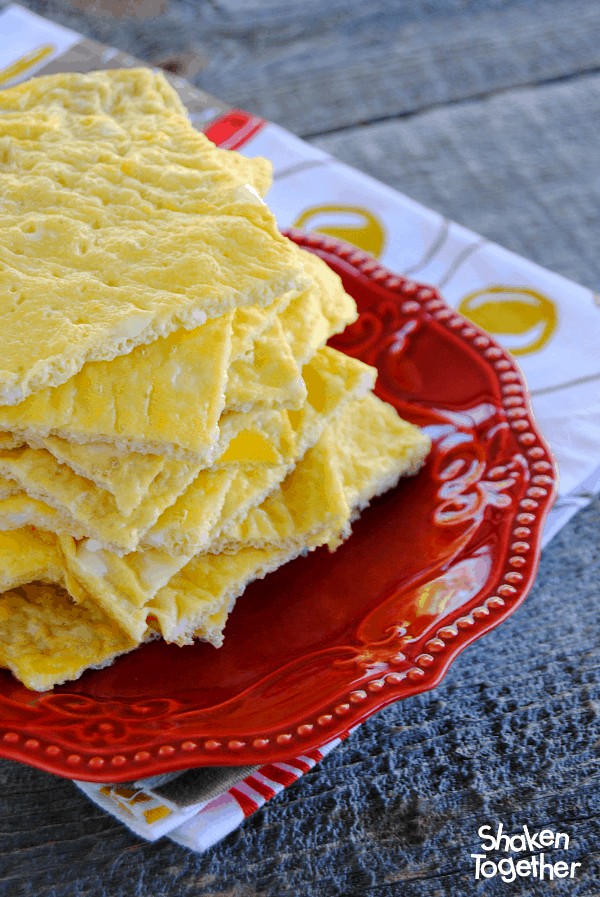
[350, 223]
[523, 319]
[26, 62]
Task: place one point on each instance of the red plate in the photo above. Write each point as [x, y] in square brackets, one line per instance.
[329, 639]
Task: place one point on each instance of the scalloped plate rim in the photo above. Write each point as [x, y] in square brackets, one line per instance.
[114, 767]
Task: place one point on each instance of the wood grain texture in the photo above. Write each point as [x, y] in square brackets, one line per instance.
[316, 67]
[520, 167]
[502, 138]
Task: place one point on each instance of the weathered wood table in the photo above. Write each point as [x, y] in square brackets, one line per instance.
[488, 112]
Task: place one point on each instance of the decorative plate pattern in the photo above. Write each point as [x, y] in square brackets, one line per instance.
[328, 640]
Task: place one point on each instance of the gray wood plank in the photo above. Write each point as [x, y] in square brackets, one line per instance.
[316, 67]
[520, 167]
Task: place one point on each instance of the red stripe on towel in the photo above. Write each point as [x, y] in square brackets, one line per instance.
[315, 755]
[246, 803]
[260, 787]
[281, 776]
[299, 764]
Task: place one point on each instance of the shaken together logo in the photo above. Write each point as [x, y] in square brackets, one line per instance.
[535, 865]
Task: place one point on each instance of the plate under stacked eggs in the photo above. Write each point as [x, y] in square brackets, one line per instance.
[172, 424]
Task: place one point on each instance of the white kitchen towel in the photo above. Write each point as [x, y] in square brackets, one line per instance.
[221, 798]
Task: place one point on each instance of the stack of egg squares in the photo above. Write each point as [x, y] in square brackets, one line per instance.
[172, 423]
